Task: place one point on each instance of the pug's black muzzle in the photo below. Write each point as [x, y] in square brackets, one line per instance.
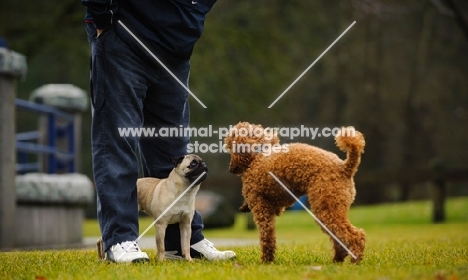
[197, 171]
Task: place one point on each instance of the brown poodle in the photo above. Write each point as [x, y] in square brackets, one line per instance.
[305, 170]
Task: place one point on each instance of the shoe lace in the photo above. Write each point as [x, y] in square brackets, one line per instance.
[210, 245]
[129, 246]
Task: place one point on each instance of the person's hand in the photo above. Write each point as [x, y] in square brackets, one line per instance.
[99, 31]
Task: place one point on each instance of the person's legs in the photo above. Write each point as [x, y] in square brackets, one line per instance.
[166, 106]
[118, 89]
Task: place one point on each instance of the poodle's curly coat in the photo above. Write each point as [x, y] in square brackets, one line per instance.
[326, 179]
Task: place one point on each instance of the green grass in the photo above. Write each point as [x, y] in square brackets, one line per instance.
[401, 244]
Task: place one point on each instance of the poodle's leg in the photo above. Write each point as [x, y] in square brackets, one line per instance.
[358, 244]
[340, 252]
[244, 207]
[351, 237]
[333, 215]
[354, 240]
[264, 217]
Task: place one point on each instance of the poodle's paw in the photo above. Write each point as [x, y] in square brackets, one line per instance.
[339, 258]
[268, 257]
[357, 260]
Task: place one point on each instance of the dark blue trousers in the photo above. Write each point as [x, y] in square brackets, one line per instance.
[128, 91]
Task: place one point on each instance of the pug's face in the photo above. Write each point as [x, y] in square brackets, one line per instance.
[191, 167]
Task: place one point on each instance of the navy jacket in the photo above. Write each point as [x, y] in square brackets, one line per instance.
[165, 26]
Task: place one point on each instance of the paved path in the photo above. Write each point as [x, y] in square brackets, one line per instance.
[150, 243]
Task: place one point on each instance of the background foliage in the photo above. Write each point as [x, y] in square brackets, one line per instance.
[399, 75]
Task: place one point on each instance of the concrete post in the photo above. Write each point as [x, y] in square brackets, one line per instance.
[12, 66]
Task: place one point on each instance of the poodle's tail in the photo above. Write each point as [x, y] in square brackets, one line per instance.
[352, 142]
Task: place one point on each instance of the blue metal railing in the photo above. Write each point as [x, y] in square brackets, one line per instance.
[58, 159]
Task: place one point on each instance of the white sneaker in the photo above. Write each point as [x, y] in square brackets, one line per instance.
[126, 252]
[207, 249]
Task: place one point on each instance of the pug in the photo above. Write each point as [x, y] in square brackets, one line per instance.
[156, 195]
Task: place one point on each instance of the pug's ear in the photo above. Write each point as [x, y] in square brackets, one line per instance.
[177, 160]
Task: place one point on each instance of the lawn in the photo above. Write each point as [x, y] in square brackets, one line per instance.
[401, 244]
